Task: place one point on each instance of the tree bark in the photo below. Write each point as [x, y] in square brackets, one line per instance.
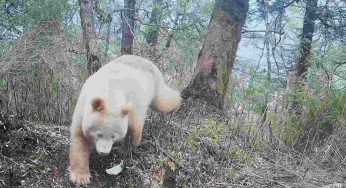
[93, 19]
[217, 56]
[128, 22]
[298, 81]
[109, 20]
[306, 40]
[155, 19]
[85, 15]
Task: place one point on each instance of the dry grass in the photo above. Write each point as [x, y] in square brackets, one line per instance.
[199, 146]
[41, 82]
[36, 155]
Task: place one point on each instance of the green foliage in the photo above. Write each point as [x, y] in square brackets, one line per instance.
[113, 48]
[4, 47]
[183, 6]
[153, 29]
[255, 143]
[241, 155]
[296, 97]
[295, 22]
[293, 9]
[287, 129]
[27, 13]
[266, 143]
[40, 165]
[253, 13]
[72, 100]
[188, 33]
[72, 33]
[252, 129]
[177, 156]
[189, 40]
[38, 72]
[329, 64]
[223, 77]
[207, 8]
[54, 85]
[337, 106]
[327, 112]
[194, 142]
[79, 62]
[255, 88]
[323, 110]
[184, 183]
[232, 176]
[215, 131]
[3, 84]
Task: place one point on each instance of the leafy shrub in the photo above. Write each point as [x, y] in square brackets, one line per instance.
[316, 116]
[241, 155]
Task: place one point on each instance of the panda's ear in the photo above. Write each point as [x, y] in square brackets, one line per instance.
[98, 104]
[126, 109]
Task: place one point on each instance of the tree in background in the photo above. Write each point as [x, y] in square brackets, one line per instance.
[155, 18]
[306, 40]
[304, 61]
[41, 74]
[217, 56]
[18, 17]
[128, 22]
[109, 22]
[85, 15]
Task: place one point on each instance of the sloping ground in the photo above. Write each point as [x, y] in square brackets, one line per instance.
[196, 147]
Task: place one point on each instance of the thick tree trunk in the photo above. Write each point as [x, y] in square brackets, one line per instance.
[128, 22]
[155, 18]
[93, 19]
[109, 19]
[85, 15]
[298, 81]
[217, 56]
[308, 31]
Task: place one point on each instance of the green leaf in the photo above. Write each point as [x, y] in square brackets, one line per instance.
[3, 84]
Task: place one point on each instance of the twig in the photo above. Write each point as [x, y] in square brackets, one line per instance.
[165, 153]
[274, 181]
[262, 31]
[335, 185]
[10, 159]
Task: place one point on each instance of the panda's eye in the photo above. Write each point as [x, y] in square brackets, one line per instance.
[113, 136]
[99, 135]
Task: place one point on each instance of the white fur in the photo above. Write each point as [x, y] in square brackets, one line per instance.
[127, 79]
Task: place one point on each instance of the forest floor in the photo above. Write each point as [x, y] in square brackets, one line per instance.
[192, 148]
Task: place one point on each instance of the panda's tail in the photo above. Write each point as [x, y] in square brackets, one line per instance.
[166, 99]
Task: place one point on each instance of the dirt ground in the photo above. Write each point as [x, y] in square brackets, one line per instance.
[177, 151]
